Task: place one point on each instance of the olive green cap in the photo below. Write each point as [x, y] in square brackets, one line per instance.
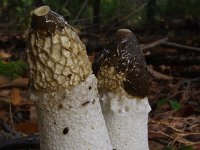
[126, 56]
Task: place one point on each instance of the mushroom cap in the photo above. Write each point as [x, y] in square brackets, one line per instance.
[122, 64]
[44, 19]
[57, 58]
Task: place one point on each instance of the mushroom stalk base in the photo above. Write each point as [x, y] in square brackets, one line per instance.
[126, 120]
[71, 119]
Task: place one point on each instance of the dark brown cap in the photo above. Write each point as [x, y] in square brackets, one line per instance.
[125, 55]
[46, 20]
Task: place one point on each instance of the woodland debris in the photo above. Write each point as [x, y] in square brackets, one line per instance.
[27, 142]
[164, 41]
[19, 82]
[159, 75]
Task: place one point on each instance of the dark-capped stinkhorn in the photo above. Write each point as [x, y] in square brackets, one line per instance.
[123, 83]
[62, 86]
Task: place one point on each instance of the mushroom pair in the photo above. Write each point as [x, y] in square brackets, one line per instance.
[65, 92]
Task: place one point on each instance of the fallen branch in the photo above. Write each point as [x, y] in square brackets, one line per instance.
[160, 141]
[181, 46]
[158, 74]
[153, 44]
[164, 41]
[20, 82]
[28, 142]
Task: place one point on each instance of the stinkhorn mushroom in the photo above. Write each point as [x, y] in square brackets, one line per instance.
[123, 83]
[62, 86]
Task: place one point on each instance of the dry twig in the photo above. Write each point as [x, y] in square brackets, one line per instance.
[153, 44]
[181, 46]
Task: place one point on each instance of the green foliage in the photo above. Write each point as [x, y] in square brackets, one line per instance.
[79, 13]
[161, 102]
[181, 8]
[70, 9]
[176, 106]
[17, 13]
[109, 11]
[186, 148]
[169, 148]
[128, 12]
[4, 3]
[12, 70]
[23, 8]
[58, 6]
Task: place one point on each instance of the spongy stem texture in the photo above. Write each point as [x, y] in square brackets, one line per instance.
[126, 120]
[71, 119]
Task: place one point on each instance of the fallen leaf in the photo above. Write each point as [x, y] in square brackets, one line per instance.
[4, 115]
[155, 146]
[19, 82]
[4, 55]
[15, 96]
[27, 127]
[3, 80]
[5, 93]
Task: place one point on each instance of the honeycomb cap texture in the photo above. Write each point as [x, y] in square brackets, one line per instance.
[57, 58]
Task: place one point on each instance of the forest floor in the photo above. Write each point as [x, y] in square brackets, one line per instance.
[173, 63]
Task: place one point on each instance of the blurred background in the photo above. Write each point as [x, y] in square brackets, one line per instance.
[169, 35]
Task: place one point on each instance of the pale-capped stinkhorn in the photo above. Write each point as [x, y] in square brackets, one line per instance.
[123, 83]
[62, 86]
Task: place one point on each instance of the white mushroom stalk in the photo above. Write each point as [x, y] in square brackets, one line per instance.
[62, 86]
[123, 83]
